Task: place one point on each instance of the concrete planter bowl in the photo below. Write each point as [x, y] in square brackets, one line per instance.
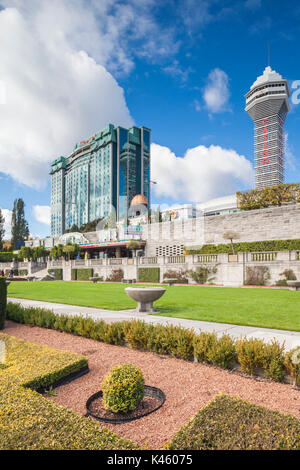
[145, 296]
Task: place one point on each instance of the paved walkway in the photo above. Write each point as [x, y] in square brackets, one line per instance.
[290, 338]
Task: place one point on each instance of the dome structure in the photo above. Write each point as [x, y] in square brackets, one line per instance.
[138, 200]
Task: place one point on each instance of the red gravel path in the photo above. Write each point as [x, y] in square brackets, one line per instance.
[188, 386]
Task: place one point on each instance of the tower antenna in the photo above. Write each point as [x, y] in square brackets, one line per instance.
[268, 54]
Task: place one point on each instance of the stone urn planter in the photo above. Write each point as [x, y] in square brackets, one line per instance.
[145, 296]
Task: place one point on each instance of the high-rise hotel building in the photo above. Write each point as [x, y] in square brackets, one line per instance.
[107, 170]
[267, 104]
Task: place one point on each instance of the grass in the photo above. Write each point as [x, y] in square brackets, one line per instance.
[28, 421]
[229, 423]
[268, 308]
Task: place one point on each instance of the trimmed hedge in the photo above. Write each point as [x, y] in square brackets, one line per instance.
[3, 301]
[58, 273]
[73, 274]
[148, 274]
[31, 422]
[6, 257]
[123, 388]
[229, 423]
[267, 245]
[177, 341]
[84, 274]
[23, 272]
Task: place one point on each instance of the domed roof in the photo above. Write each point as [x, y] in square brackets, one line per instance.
[139, 199]
[269, 75]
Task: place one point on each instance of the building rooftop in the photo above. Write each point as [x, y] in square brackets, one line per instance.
[269, 75]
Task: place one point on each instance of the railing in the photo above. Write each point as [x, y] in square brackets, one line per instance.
[264, 256]
[114, 261]
[176, 259]
[97, 262]
[79, 262]
[148, 260]
[23, 264]
[205, 258]
[57, 263]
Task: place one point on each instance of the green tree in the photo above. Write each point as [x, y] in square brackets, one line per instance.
[57, 251]
[70, 249]
[2, 230]
[19, 225]
[39, 252]
[25, 252]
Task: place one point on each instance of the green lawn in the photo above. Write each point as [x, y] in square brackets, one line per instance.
[269, 308]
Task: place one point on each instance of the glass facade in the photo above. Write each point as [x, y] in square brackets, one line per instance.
[103, 173]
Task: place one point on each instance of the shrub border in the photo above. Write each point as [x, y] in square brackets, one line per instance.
[176, 341]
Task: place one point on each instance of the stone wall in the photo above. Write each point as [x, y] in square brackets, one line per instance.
[231, 269]
[278, 223]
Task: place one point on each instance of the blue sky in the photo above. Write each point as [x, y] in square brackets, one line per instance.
[179, 67]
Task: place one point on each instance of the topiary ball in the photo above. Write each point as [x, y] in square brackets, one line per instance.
[123, 388]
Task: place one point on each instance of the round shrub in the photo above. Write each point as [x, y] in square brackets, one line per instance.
[123, 388]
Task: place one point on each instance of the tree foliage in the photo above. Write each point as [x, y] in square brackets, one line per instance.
[19, 225]
[2, 230]
[269, 197]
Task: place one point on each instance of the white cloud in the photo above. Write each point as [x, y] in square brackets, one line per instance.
[42, 214]
[203, 173]
[7, 223]
[216, 93]
[56, 94]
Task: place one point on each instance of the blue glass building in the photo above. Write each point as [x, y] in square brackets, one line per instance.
[103, 173]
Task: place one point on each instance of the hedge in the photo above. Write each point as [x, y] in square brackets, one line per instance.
[57, 273]
[84, 274]
[3, 301]
[6, 257]
[31, 422]
[177, 341]
[73, 274]
[148, 274]
[267, 245]
[23, 272]
[229, 423]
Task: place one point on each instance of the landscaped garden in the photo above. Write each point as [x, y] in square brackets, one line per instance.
[27, 419]
[134, 399]
[269, 308]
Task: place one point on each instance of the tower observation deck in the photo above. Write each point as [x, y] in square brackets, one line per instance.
[267, 104]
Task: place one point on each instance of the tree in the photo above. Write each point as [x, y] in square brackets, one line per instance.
[25, 252]
[2, 230]
[231, 235]
[133, 245]
[57, 251]
[19, 225]
[70, 249]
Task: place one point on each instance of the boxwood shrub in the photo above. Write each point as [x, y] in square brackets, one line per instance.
[182, 343]
[229, 423]
[31, 422]
[84, 274]
[57, 273]
[3, 300]
[148, 274]
[123, 388]
[74, 274]
[267, 245]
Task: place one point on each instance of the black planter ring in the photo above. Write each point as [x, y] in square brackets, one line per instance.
[149, 392]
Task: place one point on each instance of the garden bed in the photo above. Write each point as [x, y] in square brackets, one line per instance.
[31, 422]
[229, 423]
[188, 386]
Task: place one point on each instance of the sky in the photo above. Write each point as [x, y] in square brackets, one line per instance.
[179, 67]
